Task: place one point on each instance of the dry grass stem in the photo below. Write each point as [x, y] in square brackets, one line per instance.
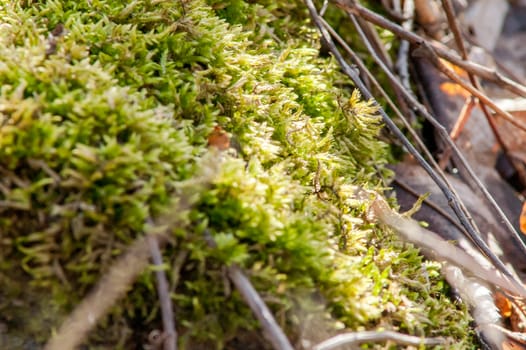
[356, 338]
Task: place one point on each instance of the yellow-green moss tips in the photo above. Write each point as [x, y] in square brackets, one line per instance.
[105, 110]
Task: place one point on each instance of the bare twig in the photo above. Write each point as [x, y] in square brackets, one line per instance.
[453, 24]
[356, 338]
[479, 297]
[271, 330]
[428, 52]
[169, 334]
[453, 199]
[430, 204]
[458, 207]
[435, 246]
[363, 69]
[474, 235]
[109, 289]
[469, 66]
[403, 51]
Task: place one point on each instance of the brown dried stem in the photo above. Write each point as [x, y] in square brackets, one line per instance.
[425, 50]
[473, 231]
[356, 338]
[169, 334]
[452, 197]
[271, 329]
[474, 234]
[364, 70]
[469, 66]
[113, 285]
[453, 24]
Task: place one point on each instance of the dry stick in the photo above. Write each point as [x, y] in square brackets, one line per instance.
[468, 66]
[270, 327]
[169, 334]
[497, 63]
[271, 330]
[473, 231]
[357, 338]
[462, 119]
[426, 51]
[451, 197]
[358, 61]
[403, 52]
[379, 48]
[113, 285]
[437, 167]
[474, 235]
[434, 245]
[453, 23]
[413, 133]
[431, 204]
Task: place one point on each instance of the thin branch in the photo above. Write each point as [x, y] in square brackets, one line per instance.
[403, 51]
[428, 52]
[435, 246]
[459, 208]
[169, 334]
[357, 338]
[453, 23]
[468, 66]
[474, 234]
[430, 204]
[271, 330]
[112, 286]
[363, 69]
[452, 198]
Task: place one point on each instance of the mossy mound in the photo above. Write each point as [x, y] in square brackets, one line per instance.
[107, 110]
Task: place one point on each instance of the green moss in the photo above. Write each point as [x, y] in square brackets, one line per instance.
[105, 125]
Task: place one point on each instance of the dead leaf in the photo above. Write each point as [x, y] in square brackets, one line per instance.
[522, 219]
[503, 304]
[219, 139]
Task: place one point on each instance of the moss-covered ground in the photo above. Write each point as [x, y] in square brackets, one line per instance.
[107, 116]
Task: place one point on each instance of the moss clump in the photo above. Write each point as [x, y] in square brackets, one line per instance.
[106, 107]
